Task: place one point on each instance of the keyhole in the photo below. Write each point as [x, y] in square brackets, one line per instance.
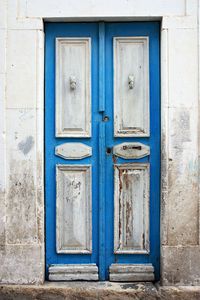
[108, 150]
[105, 118]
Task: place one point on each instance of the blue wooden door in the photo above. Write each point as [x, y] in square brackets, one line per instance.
[102, 151]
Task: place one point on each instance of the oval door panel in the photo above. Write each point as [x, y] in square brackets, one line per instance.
[73, 151]
[131, 150]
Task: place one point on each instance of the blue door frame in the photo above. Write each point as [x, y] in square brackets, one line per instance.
[101, 35]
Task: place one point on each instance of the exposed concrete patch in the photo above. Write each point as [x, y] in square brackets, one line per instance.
[22, 264]
[182, 209]
[97, 290]
[180, 265]
[2, 220]
[21, 225]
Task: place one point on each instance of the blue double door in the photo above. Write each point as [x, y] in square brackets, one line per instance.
[102, 151]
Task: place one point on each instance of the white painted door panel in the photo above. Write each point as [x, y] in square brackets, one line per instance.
[73, 150]
[131, 86]
[73, 96]
[131, 214]
[73, 209]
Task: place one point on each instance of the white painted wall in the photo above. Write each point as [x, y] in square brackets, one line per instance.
[22, 118]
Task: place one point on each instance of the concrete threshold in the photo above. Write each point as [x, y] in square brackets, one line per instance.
[97, 290]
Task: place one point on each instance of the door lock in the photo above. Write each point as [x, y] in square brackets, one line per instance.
[108, 150]
[105, 118]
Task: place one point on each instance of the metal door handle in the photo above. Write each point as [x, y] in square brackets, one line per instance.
[72, 82]
[131, 81]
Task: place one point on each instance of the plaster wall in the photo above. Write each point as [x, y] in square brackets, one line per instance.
[22, 255]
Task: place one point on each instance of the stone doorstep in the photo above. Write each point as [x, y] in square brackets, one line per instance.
[97, 290]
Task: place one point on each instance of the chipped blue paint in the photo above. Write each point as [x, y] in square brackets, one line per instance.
[102, 211]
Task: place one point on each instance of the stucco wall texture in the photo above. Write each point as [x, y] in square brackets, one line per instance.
[22, 255]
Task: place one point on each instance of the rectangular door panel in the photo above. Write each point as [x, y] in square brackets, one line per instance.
[131, 86]
[73, 99]
[73, 209]
[131, 205]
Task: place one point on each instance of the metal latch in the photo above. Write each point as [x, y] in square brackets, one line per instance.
[134, 147]
[131, 150]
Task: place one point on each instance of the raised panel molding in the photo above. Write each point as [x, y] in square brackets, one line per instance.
[73, 209]
[73, 151]
[131, 150]
[131, 272]
[73, 272]
[131, 86]
[131, 208]
[73, 87]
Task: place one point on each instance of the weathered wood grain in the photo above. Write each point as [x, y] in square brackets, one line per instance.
[73, 150]
[73, 209]
[131, 208]
[131, 86]
[131, 150]
[73, 272]
[131, 272]
[73, 87]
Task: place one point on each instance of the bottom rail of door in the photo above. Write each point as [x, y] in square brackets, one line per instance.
[73, 272]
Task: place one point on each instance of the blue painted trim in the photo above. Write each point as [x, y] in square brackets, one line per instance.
[102, 212]
[101, 67]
